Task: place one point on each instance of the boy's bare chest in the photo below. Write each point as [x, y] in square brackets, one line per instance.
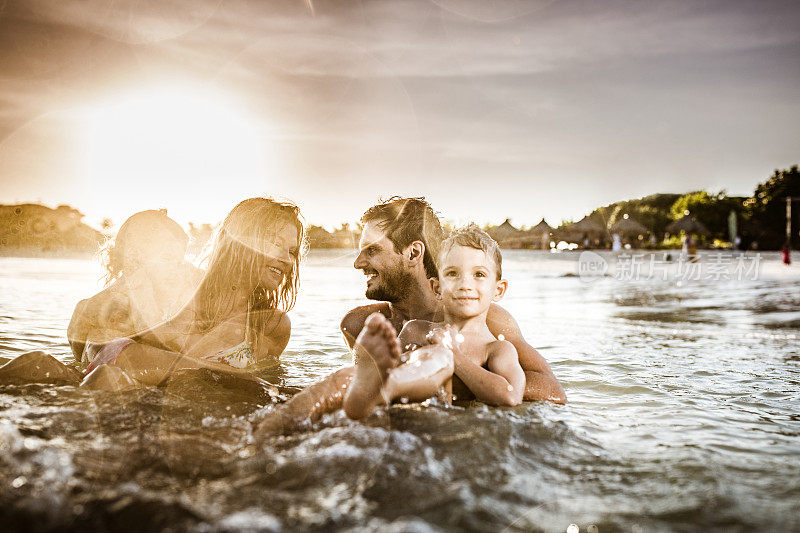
[477, 350]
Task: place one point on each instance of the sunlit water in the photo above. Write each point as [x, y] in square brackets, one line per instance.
[683, 414]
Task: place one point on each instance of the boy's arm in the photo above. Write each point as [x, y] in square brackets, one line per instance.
[540, 382]
[503, 384]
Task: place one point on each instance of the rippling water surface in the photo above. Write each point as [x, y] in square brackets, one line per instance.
[683, 414]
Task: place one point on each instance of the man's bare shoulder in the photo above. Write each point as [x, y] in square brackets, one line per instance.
[415, 332]
[355, 317]
[500, 321]
[353, 322]
[418, 324]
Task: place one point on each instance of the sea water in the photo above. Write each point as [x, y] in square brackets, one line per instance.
[683, 414]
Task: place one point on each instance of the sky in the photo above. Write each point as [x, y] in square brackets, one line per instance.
[492, 110]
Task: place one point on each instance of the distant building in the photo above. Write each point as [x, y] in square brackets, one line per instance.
[541, 235]
[538, 237]
[506, 235]
[628, 231]
[33, 227]
[587, 231]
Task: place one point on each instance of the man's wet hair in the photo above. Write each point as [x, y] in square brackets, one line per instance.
[406, 220]
[472, 236]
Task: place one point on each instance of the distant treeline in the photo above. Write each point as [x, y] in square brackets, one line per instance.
[760, 217]
[32, 228]
[343, 237]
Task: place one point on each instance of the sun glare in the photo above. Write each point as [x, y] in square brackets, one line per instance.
[191, 151]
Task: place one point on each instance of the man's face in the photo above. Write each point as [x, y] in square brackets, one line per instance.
[387, 278]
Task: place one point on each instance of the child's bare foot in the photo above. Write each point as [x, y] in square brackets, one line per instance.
[377, 351]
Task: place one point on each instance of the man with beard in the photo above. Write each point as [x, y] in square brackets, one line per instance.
[397, 251]
[399, 243]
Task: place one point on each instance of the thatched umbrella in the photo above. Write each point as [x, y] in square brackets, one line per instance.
[542, 227]
[587, 229]
[586, 225]
[504, 232]
[687, 223]
[539, 236]
[628, 226]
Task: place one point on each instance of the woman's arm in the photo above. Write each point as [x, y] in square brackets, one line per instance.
[502, 384]
[165, 336]
[152, 366]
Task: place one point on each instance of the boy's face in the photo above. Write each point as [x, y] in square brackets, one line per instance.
[468, 282]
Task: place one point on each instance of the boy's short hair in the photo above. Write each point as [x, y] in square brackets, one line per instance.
[472, 236]
[406, 220]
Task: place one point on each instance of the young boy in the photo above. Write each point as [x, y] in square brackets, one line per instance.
[461, 347]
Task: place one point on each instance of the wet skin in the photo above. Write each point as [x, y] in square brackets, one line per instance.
[377, 258]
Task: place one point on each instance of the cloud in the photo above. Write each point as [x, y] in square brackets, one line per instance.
[428, 94]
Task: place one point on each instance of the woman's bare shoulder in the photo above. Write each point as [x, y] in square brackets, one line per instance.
[283, 326]
[274, 334]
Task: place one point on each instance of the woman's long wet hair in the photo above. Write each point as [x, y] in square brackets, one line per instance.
[238, 257]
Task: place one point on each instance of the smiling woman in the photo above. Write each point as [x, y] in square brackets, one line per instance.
[175, 144]
[238, 315]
